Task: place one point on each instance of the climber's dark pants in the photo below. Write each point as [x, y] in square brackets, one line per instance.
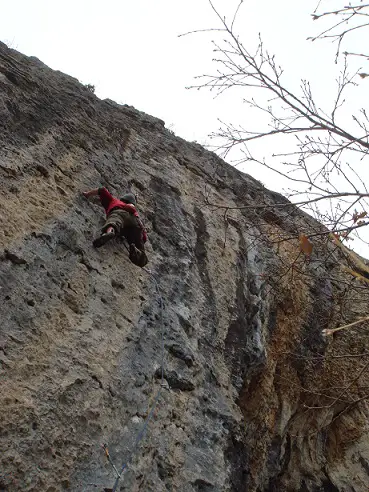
[127, 225]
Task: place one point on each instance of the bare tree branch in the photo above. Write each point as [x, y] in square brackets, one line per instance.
[324, 147]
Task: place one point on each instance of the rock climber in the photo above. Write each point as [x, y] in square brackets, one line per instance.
[122, 219]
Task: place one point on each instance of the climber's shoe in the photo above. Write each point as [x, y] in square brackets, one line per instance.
[133, 251]
[137, 256]
[104, 238]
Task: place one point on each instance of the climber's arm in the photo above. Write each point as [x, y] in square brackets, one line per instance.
[93, 192]
[105, 196]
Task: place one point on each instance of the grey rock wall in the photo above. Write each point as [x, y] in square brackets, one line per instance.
[80, 335]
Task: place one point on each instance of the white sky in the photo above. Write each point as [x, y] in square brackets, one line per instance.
[131, 52]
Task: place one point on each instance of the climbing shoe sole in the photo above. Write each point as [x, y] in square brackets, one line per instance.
[104, 238]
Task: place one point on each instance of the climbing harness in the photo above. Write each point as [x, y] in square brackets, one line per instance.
[150, 414]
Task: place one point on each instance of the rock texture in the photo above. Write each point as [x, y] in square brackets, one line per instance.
[243, 313]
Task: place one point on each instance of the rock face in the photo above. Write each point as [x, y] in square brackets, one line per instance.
[255, 398]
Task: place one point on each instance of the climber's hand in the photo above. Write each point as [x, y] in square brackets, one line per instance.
[89, 193]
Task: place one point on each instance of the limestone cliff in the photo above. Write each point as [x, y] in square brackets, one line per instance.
[243, 313]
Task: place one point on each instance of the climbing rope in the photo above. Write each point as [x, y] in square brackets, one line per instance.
[150, 414]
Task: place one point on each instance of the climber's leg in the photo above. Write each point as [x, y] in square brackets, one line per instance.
[133, 235]
[113, 226]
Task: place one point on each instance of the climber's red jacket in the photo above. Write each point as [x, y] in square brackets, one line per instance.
[109, 203]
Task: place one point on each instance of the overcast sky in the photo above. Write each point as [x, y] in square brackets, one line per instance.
[132, 53]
